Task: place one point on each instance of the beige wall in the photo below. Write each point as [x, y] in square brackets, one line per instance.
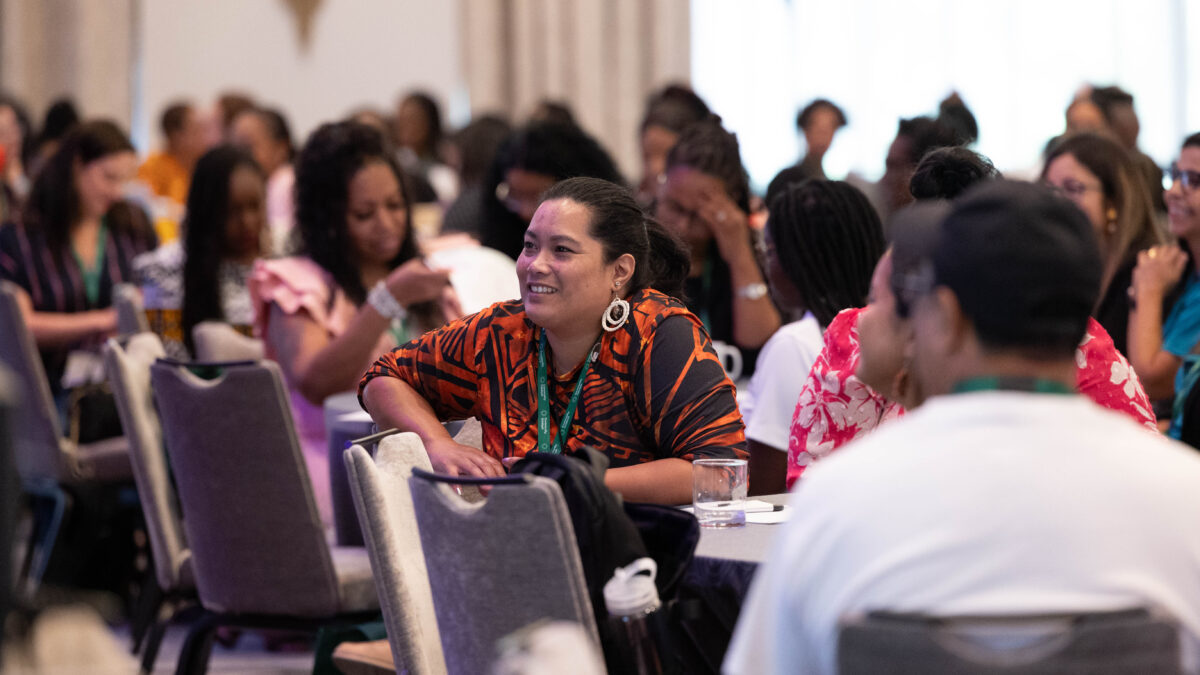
[602, 56]
[81, 48]
[359, 52]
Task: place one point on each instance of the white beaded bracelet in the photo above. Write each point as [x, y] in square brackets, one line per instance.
[385, 303]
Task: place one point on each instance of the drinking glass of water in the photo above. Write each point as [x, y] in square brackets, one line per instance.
[719, 492]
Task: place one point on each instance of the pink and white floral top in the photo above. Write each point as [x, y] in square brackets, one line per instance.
[835, 407]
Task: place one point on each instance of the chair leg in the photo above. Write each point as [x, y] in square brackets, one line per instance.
[148, 609]
[47, 523]
[193, 659]
[153, 642]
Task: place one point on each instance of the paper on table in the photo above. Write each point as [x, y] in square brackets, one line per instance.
[769, 517]
[751, 506]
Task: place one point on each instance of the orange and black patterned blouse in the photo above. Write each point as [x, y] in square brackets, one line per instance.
[656, 391]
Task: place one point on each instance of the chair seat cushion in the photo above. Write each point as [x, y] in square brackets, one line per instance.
[356, 586]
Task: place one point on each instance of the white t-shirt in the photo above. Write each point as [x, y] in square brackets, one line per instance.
[980, 503]
[769, 401]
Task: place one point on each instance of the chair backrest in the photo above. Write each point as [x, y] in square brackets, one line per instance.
[251, 520]
[131, 314]
[128, 369]
[10, 491]
[1115, 643]
[217, 341]
[498, 565]
[385, 512]
[39, 444]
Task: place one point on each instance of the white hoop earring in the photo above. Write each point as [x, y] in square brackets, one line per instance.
[616, 315]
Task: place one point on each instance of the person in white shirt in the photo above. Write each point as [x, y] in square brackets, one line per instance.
[822, 241]
[1006, 492]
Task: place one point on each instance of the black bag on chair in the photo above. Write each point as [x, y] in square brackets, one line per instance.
[611, 535]
[92, 413]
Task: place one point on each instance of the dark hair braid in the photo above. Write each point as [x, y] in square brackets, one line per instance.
[828, 239]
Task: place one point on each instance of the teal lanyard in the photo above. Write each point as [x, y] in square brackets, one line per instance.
[543, 393]
[1032, 384]
[91, 275]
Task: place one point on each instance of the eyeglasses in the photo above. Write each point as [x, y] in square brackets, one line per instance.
[1190, 180]
[1072, 189]
[910, 286]
[515, 201]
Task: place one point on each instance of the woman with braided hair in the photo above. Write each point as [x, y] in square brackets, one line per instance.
[705, 201]
[822, 240]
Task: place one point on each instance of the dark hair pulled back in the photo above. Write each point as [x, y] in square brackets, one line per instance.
[620, 225]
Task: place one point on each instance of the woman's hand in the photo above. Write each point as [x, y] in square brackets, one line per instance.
[727, 222]
[1158, 270]
[454, 459]
[450, 305]
[415, 281]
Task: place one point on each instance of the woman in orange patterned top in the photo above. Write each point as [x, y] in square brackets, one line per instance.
[630, 370]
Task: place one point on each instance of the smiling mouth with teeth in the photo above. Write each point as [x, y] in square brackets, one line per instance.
[542, 289]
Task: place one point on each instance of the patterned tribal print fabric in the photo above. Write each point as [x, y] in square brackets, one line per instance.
[657, 389]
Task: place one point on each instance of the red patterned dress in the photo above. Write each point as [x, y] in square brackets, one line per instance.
[835, 407]
[656, 391]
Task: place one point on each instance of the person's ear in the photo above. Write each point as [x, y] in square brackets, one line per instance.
[953, 325]
[623, 268]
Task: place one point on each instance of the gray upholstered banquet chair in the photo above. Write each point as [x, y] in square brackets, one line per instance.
[10, 490]
[1113, 643]
[258, 546]
[385, 512]
[498, 565]
[131, 314]
[50, 465]
[218, 341]
[127, 363]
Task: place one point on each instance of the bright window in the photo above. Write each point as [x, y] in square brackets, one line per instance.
[1016, 64]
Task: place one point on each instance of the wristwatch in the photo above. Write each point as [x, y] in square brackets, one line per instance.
[752, 291]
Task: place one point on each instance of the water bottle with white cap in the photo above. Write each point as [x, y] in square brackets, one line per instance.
[631, 598]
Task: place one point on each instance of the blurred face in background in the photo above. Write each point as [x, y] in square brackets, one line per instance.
[900, 166]
[10, 134]
[657, 142]
[193, 139]
[413, 127]
[376, 217]
[679, 201]
[247, 219]
[99, 183]
[818, 135]
[1183, 204]
[250, 132]
[1083, 115]
[521, 191]
[1077, 183]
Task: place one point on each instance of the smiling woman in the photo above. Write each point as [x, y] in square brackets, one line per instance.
[596, 353]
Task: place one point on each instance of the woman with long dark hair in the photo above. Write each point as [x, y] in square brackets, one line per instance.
[76, 239]
[204, 277]
[1101, 178]
[358, 289]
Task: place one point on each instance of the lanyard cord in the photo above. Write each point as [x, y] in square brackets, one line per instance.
[543, 394]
